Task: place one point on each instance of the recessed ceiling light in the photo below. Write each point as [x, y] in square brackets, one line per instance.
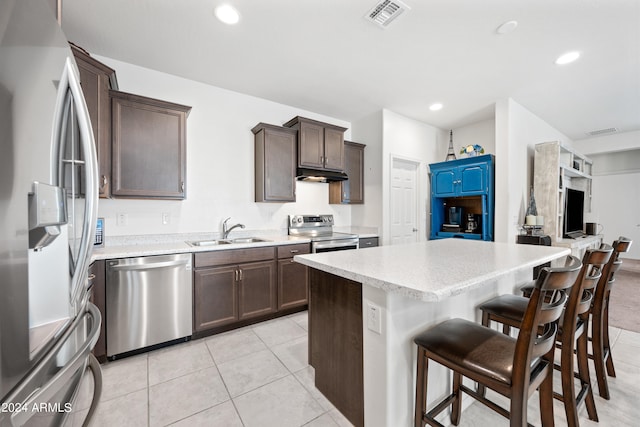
[435, 107]
[567, 58]
[227, 14]
[507, 27]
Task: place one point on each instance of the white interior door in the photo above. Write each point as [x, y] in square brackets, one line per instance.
[403, 209]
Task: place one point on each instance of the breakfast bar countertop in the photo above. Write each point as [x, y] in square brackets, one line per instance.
[367, 305]
[432, 270]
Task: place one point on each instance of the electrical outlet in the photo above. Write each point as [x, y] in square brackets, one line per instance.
[166, 218]
[122, 219]
[374, 322]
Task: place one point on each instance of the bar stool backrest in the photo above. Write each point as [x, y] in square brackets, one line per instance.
[608, 278]
[550, 293]
[593, 265]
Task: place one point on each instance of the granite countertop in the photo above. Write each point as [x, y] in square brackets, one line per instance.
[162, 244]
[432, 270]
[133, 246]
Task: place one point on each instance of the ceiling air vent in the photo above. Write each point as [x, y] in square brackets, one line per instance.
[385, 12]
[602, 131]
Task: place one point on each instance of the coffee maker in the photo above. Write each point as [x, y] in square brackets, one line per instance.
[454, 219]
[473, 223]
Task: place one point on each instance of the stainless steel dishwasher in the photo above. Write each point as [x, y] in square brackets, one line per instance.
[149, 301]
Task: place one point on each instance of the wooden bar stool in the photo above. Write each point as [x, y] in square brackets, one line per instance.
[513, 367]
[510, 309]
[600, 319]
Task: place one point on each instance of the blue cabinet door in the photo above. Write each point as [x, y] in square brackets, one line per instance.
[473, 179]
[443, 182]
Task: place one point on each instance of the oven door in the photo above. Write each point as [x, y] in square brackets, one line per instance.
[334, 245]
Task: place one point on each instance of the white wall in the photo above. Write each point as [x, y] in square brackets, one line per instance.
[616, 191]
[482, 133]
[220, 162]
[616, 205]
[517, 132]
[413, 140]
[609, 143]
[368, 130]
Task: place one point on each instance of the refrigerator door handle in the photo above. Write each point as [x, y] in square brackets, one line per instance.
[70, 82]
[46, 391]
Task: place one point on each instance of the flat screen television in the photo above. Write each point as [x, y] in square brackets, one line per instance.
[574, 213]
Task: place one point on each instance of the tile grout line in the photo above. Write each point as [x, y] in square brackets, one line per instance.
[224, 383]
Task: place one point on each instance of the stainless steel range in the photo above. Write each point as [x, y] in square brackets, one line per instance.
[319, 228]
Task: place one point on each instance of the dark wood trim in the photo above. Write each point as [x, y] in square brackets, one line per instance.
[336, 342]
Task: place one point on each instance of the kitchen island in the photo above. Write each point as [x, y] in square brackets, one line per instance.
[367, 305]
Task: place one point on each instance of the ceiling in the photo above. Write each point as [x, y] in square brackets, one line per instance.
[324, 56]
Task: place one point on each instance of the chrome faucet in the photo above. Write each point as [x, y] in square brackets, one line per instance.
[226, 229]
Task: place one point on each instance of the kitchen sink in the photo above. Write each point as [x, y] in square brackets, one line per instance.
[247, 240]
[209, 242]
[226, 242]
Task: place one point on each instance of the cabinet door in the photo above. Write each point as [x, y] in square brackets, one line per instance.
[443, 182]
[257, 289]
[215, 297]
[275, 164]
[333, 149]
[350, 191]
[311, 148]
[293, 284]
[473, 179]
[149, 148]
[94, 79]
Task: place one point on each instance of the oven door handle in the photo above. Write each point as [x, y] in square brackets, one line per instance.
[333, 244]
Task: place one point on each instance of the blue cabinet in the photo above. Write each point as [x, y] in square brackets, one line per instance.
[467, 184]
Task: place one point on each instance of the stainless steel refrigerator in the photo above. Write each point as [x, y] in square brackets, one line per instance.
[48, 203]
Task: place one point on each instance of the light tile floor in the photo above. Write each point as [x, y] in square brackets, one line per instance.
[258, 376]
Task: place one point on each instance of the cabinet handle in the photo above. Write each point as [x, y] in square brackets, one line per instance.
[182, 187]
[104, 181]
[294, 251]
[235, 275]
[240, 272]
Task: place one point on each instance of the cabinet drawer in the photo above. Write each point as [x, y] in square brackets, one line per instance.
[233, 256]
[288, 251]
[368, 242]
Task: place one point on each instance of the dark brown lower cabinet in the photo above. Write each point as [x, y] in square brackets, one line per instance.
[257, 289]
[215, 297]
[233, 285]
[98, 297]
[293, 278]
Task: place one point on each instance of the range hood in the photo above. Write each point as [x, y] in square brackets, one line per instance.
[319, 175]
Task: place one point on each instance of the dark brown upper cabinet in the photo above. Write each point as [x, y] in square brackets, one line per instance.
[149, 139]
[275, 163]
[320, 145]
[96, 80]
[350, 191]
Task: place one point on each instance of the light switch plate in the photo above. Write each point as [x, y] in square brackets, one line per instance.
[374, 321]
[122, 219]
